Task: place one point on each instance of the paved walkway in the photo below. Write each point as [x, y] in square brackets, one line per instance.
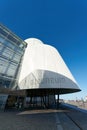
[28, 120]
[43, 120]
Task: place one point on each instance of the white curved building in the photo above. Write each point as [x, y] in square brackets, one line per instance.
[44, 69]
[31, 70]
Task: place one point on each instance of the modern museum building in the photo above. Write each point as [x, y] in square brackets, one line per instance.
[31, 72]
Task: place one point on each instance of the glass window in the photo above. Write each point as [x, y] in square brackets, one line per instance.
[11, 51]
[19, 50]
[16, 58]
[7, 43]
[2, 39]
[7, 68]
[1, 47]
[10, 72]
[3, 32]
[10, 37]
[7, 83]
[12, 69]
[7, 53]
[2, 69]
[3, 65]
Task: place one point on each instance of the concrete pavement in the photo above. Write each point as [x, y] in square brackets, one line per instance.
[46, 119]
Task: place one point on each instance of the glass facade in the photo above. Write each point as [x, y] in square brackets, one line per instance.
[11, 53]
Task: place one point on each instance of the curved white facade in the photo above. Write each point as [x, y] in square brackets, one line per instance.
[43, 67]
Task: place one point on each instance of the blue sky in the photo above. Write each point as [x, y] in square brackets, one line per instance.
[62, 24]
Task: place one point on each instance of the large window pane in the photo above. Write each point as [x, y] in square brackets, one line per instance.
[3, 32]
[7, 53]
[2, 39]
[7, 43]
[11, 69]
[18, 50]
[1, 47]
[3, 66]
[10, 37]
[16, 58]
[10, 72]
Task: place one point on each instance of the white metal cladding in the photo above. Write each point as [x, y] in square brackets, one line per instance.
[43, 67]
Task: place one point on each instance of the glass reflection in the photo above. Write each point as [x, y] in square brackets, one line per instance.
[11, 51]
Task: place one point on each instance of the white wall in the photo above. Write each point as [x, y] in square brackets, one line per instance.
[43, 61]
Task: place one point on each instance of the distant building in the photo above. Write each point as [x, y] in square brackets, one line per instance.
[85, 98]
